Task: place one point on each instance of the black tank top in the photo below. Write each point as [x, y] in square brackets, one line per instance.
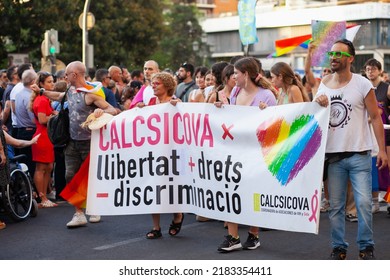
[381, 96]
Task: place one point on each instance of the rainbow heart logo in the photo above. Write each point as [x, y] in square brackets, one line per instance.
[288, 148]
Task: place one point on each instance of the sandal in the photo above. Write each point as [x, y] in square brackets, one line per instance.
[175, 228]
[2, 225]
[154, 234]
[48, 204]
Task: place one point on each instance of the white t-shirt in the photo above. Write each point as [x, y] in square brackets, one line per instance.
[207, 91]
[349, 130]
[148, 94]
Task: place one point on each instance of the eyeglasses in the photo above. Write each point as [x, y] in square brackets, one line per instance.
[327, 71]
[156, 84]
[338, 54]
[67, 74]
[373, 69]
[76, 73]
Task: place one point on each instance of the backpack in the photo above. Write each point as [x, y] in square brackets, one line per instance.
[58, 126]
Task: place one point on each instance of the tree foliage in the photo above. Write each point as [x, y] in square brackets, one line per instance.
[126, 32]
[184, 30]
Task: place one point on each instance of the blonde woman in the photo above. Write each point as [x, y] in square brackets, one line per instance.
[164, 85]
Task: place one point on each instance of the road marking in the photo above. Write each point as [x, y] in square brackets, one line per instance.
[137, 239]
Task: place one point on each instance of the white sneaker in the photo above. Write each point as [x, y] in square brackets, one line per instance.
[94, 219]
[325, 206]
[51, 195]
[375, 208]
[78, 220]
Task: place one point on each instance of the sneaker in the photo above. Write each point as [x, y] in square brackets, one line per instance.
[324, 205]
[94, 219]
[51, 195]
[202, 219]
[367, 253]
[375, 208]
[252, 242]
[78, 220]
[351, 218]
[338, 253]
[230, 244]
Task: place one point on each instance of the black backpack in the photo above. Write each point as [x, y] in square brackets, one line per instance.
[58, 126]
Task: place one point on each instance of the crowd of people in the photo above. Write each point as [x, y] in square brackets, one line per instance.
[30, 99]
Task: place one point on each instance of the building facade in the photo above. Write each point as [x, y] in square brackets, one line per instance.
[285, 19]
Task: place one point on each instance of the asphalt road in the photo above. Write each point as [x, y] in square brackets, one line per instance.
[46, 237]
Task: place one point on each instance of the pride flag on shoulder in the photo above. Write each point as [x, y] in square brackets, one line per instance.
[93, 87]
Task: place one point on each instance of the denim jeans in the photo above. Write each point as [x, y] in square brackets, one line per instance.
[358, 169]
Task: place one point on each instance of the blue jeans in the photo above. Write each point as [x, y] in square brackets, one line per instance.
[358, 169]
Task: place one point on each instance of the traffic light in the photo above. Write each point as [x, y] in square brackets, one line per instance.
[52, 45]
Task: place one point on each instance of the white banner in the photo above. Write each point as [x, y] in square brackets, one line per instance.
[236, 163]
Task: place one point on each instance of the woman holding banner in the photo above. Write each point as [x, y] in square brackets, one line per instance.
[250, 90]
[292, 90]
[164, 86]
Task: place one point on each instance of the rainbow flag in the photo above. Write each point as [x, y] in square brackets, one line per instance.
[387, 195]
[284, 46]
[75, 192]
[95, 87]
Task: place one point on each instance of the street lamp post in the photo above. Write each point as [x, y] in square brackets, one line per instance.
[85, 32]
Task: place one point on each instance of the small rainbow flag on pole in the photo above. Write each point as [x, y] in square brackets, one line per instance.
[284, 46]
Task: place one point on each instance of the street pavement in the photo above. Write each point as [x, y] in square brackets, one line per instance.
[46, 237]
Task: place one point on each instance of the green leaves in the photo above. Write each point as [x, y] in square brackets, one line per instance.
[126, 32]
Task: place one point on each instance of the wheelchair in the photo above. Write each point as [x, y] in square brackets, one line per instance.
[17, 199]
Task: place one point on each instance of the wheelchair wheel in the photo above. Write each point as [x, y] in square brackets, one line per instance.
[18, 196]
[34, 208]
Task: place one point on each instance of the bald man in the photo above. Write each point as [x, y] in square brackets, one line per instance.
[81, 104]
[146, 92]
[117, 76]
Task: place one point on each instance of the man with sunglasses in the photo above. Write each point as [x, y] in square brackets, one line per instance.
[348, 147]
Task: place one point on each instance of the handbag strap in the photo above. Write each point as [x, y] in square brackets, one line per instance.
[186, 89]
[64, 98]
